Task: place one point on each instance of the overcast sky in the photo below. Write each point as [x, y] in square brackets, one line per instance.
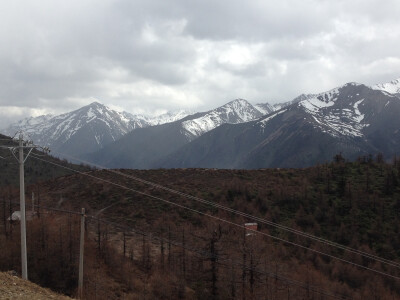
[147, 56]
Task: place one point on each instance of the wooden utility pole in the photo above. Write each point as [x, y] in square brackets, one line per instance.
[81, 253]
[21, 161]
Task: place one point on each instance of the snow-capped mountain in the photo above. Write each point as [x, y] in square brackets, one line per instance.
[234, 112]
[353, 119]
[328, 116]
[86, 129]
[392, 87]
[142, 148]
[295, 100]
[29, 125]
[265, 108]
[168, 117]
[337, 119]
[343, 111]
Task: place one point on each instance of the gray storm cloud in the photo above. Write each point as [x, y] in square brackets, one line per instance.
[144, 56]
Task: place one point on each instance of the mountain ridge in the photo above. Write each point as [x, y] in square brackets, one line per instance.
[352, 119]
[142, 147]
[120, 139]
[88, 128]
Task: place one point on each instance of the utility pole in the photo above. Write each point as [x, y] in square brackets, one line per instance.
[24, 260]
[81, 253]
[21, 160]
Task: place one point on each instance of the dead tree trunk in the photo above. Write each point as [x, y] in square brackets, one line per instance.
[5, 218]
[183, 254]
[169, 247]
[214, 257]
[124, 236]
[162, 252]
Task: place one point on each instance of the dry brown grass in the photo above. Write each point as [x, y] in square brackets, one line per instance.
[13, 287]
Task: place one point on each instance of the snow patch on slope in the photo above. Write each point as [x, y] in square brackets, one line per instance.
[168, 117]
[234, 112]
[336, 120]
[392, 87]
[263, 122]
[358, 115]
[264, 108]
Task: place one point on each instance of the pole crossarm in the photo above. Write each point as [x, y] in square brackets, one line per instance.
[21, 160]
[26, 157]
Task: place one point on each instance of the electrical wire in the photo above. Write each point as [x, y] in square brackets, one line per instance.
[252, 217]
[228, 222]
[203, 254]
[208, 255]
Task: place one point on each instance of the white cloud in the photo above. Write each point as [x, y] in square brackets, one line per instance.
[156, 55]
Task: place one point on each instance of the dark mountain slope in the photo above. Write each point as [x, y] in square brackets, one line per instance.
[353, 120]
[142, 147]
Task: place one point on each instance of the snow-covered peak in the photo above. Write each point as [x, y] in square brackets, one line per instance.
[392, 87]
[96, 110]
[234, 112]
[345, 118]
[237, 111]
[264, 108]
[95, 104]
[352, 84]
[31, 121]
[279, 106]
[321, 100]
[29, 125]
[86, 129]
[239, 102]
[169, 117]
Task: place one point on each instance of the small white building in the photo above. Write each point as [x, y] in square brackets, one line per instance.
[16, 216]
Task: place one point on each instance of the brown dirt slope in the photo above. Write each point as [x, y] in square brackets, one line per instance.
[13, 287]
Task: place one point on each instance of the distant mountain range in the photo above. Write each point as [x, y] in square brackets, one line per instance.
[353, 119]
[143, 147]
[87, 129]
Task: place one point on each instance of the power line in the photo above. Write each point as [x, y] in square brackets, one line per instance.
[264, 221]
[208, 255]
[252, 217]
[204, 254]
[21, 161]
[228, 222]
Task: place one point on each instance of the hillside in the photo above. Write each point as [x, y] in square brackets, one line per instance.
[35, 170]
[172, 249]
[13, 287]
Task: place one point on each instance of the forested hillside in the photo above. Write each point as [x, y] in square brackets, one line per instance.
[35, 170]
[192, 246]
